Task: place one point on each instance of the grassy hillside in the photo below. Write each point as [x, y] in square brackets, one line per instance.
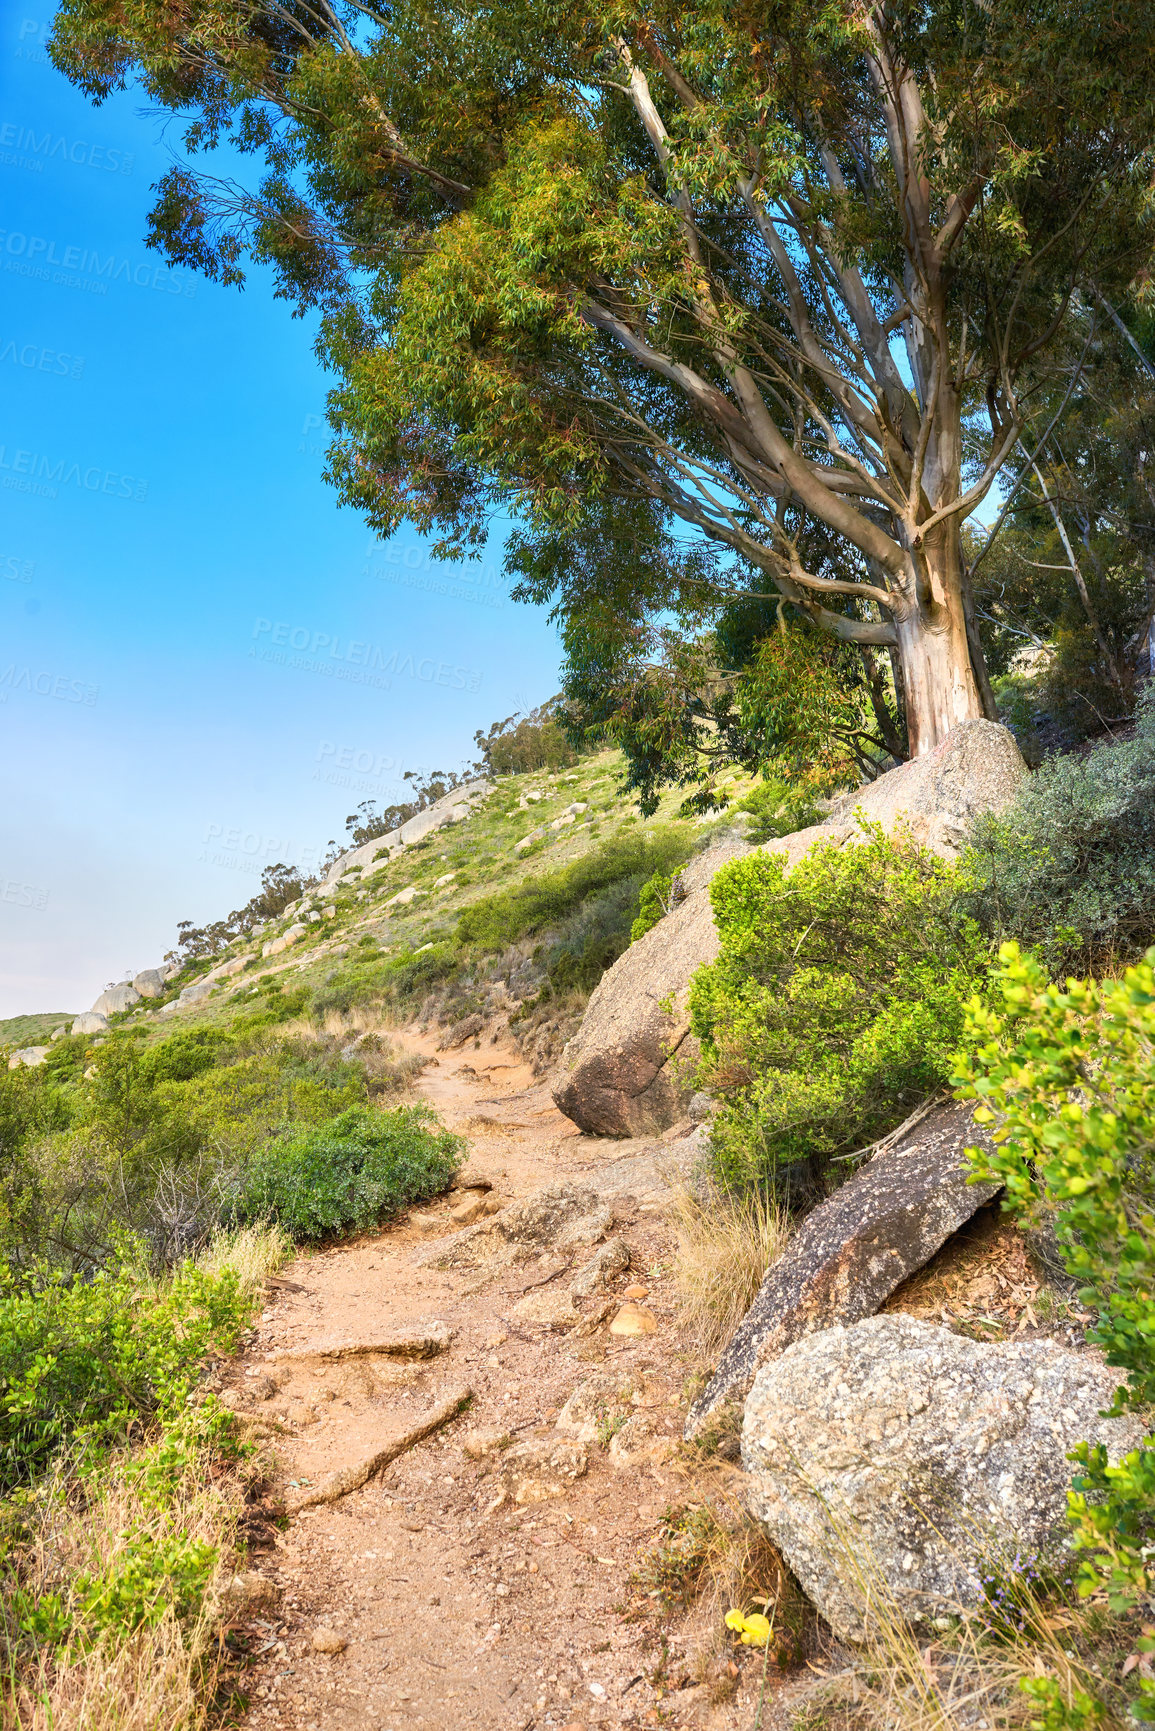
[32, 1030]
[422, 954]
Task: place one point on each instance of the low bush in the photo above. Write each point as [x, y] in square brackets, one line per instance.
[836, 1003]
[396, 985]
[350, 1174]
[1068, 1078]
[591, 939]
[86, 1362]
[777, 808]
[498, 920]
[1069, 868]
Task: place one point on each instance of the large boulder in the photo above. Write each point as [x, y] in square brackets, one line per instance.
[28, 1058]
[851, 1253]
[150, 982]
[898, 1462]
[625, 1071]
[116, 999]
[91, 1022]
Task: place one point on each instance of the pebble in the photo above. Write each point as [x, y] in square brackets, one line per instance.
[328, 1641]
[485, 1440]
[634, 1319]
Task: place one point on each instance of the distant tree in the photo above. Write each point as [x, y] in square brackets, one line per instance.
[522, 743]
[718, 302]
[370, 820]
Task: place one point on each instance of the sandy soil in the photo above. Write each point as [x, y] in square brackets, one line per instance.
[456, 1612]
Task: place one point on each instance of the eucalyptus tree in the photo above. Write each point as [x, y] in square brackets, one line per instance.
[739, 297]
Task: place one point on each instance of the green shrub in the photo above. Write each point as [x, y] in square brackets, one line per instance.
[396, 983]
[1068, 1077]
[1069, 868]
[836, 1003]
[182, 1056]
[778, 808]
[653, 903]
[350, 1174]
[593, 937]
[85, 1361]
[498, 920]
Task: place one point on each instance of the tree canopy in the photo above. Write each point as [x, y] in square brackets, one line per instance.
[730, 308]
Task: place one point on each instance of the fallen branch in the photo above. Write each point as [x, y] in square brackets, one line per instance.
[351, 1478]
[894, 1137]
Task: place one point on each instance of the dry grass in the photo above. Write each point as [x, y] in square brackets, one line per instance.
[969, 1675]
[251, 1252]
[112, 1678]
[724, 1248]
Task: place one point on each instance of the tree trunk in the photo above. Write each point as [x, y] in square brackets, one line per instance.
[939, 682]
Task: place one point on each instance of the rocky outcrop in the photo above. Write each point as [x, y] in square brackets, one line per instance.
[115, 999]
[894, 1462]
[851, 1253]
[454, 807]
[625, 1071]
[617, 1076]
[286, 940]
[28, 1058]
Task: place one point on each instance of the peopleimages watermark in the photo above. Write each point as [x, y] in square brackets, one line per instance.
[41, 683]
[251, 850]
[23, 471]
[24, 147]
[360, 770]
[415, 568]
[32, 42]
[353, 659]
[14, 569]
[21, 895]
[35, 358]
[48, 260]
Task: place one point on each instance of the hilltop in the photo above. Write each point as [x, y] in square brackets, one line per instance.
[386, 923]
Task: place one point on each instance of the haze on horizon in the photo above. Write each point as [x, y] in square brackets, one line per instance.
[205, 664]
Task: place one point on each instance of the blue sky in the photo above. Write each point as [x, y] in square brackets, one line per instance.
[204, 663]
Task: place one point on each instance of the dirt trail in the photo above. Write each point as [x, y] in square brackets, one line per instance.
[456, 1612]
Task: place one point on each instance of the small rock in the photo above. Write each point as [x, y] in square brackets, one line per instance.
[485, 1440]
[328, 1641]
[425, 1222]
[549, 1306]
[251, 1592]
[301, 1414]
[642, 1439]
[460, 1032]
[535, 1471]
[602, 1398]
[612, 1258]
[468, 1211]
[633, 1319]
[498, 1338]
[638, 1292]
[471, 1181]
